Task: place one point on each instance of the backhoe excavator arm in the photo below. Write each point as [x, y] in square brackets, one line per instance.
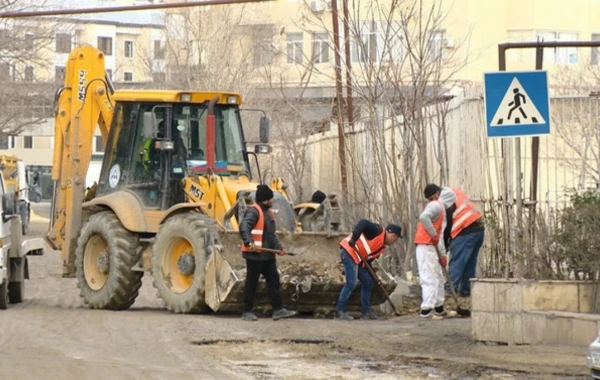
[83, 104]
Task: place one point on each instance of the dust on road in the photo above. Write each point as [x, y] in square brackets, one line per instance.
[52, 335]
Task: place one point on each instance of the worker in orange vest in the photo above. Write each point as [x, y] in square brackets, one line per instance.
[428, 235]
[257, 230]
[366, 243]
[463, 236]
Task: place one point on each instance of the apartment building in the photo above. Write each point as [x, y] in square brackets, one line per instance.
[132, 43]
[290, 37]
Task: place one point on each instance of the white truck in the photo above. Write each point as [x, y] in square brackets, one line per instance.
[14, 268]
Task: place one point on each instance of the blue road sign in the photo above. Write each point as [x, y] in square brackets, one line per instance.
[516, 103]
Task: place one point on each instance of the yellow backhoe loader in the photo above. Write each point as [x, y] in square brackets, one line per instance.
[175, 180]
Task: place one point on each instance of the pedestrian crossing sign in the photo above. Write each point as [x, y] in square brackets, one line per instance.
[517, 103]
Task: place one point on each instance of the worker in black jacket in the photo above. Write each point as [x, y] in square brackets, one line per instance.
[257, 230]
[366, 243]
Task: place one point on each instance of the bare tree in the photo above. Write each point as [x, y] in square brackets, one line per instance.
[24, 43]
[402, 74]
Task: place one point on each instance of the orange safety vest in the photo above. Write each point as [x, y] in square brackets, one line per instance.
[368, 249]
[422, 236]
[257, 231]
[465, 213]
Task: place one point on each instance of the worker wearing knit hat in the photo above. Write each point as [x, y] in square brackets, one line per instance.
[263, 193]
[257, 230]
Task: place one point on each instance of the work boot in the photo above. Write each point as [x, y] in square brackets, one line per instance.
[283, 313]
[249, 316]
[439, 311]
[343, 316]
[369, 316]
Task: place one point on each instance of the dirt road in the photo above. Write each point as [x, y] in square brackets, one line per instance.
[53, 336]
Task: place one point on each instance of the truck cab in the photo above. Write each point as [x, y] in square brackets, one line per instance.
[14, 267]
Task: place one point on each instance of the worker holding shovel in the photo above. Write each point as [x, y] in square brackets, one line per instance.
[257, 230]
[366, 243]
[429, 231]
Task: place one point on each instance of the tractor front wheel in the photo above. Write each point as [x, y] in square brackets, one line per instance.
[179, 255]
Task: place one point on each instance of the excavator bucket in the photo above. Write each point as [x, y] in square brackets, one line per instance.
[219, 280]
[310, 282]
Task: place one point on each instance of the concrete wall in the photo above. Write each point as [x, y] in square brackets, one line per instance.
[533, 312]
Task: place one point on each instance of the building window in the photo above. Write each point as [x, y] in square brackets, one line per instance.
[437, 47]
[294, 48]
[28, 74]
[128, 49]
[63, 43]
[561, 56]
[596, 51]
[159, 77]
[128, 77]
[263, 48]
[29, 43]
[363, 47]
[59, 73]
[98, 144]
[28, 142]
[7, 142]
[320, 47]
[105, 45]
[159, 50]
[109, 74]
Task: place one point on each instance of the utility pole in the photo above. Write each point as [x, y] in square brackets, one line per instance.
[339, 97]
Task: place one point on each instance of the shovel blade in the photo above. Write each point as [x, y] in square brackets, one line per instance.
[219, 279]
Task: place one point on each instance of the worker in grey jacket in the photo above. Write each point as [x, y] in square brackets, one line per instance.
[429, 234]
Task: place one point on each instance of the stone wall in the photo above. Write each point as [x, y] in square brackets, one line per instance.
[533, 312]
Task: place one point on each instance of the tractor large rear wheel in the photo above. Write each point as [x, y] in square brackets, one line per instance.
[179, 255]
[105, 255]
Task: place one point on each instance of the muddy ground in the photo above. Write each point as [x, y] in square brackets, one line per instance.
[54, 336]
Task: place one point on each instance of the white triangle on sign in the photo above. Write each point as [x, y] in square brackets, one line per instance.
[516, 108]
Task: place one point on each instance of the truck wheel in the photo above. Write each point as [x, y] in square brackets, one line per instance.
[105, 255]
[4, 295]
[16, 291]
[179, 255]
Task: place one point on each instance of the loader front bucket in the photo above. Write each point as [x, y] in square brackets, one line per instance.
[310, 282]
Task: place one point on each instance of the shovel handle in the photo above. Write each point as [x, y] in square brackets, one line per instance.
[275, 251]
[378, 282]
[445, 271]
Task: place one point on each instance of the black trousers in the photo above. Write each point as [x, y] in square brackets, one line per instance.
[254, 268]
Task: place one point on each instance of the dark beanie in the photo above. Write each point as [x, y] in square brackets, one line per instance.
[263, 193]
[431, 189]
[395, 229]
[318, 197]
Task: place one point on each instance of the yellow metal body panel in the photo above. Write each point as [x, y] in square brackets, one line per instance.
[218, 194]
[312, 206]
[125, 205]
[167, 96]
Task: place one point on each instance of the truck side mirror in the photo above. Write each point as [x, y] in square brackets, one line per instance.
[8, 206]
[150, 125]
[265, 125]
